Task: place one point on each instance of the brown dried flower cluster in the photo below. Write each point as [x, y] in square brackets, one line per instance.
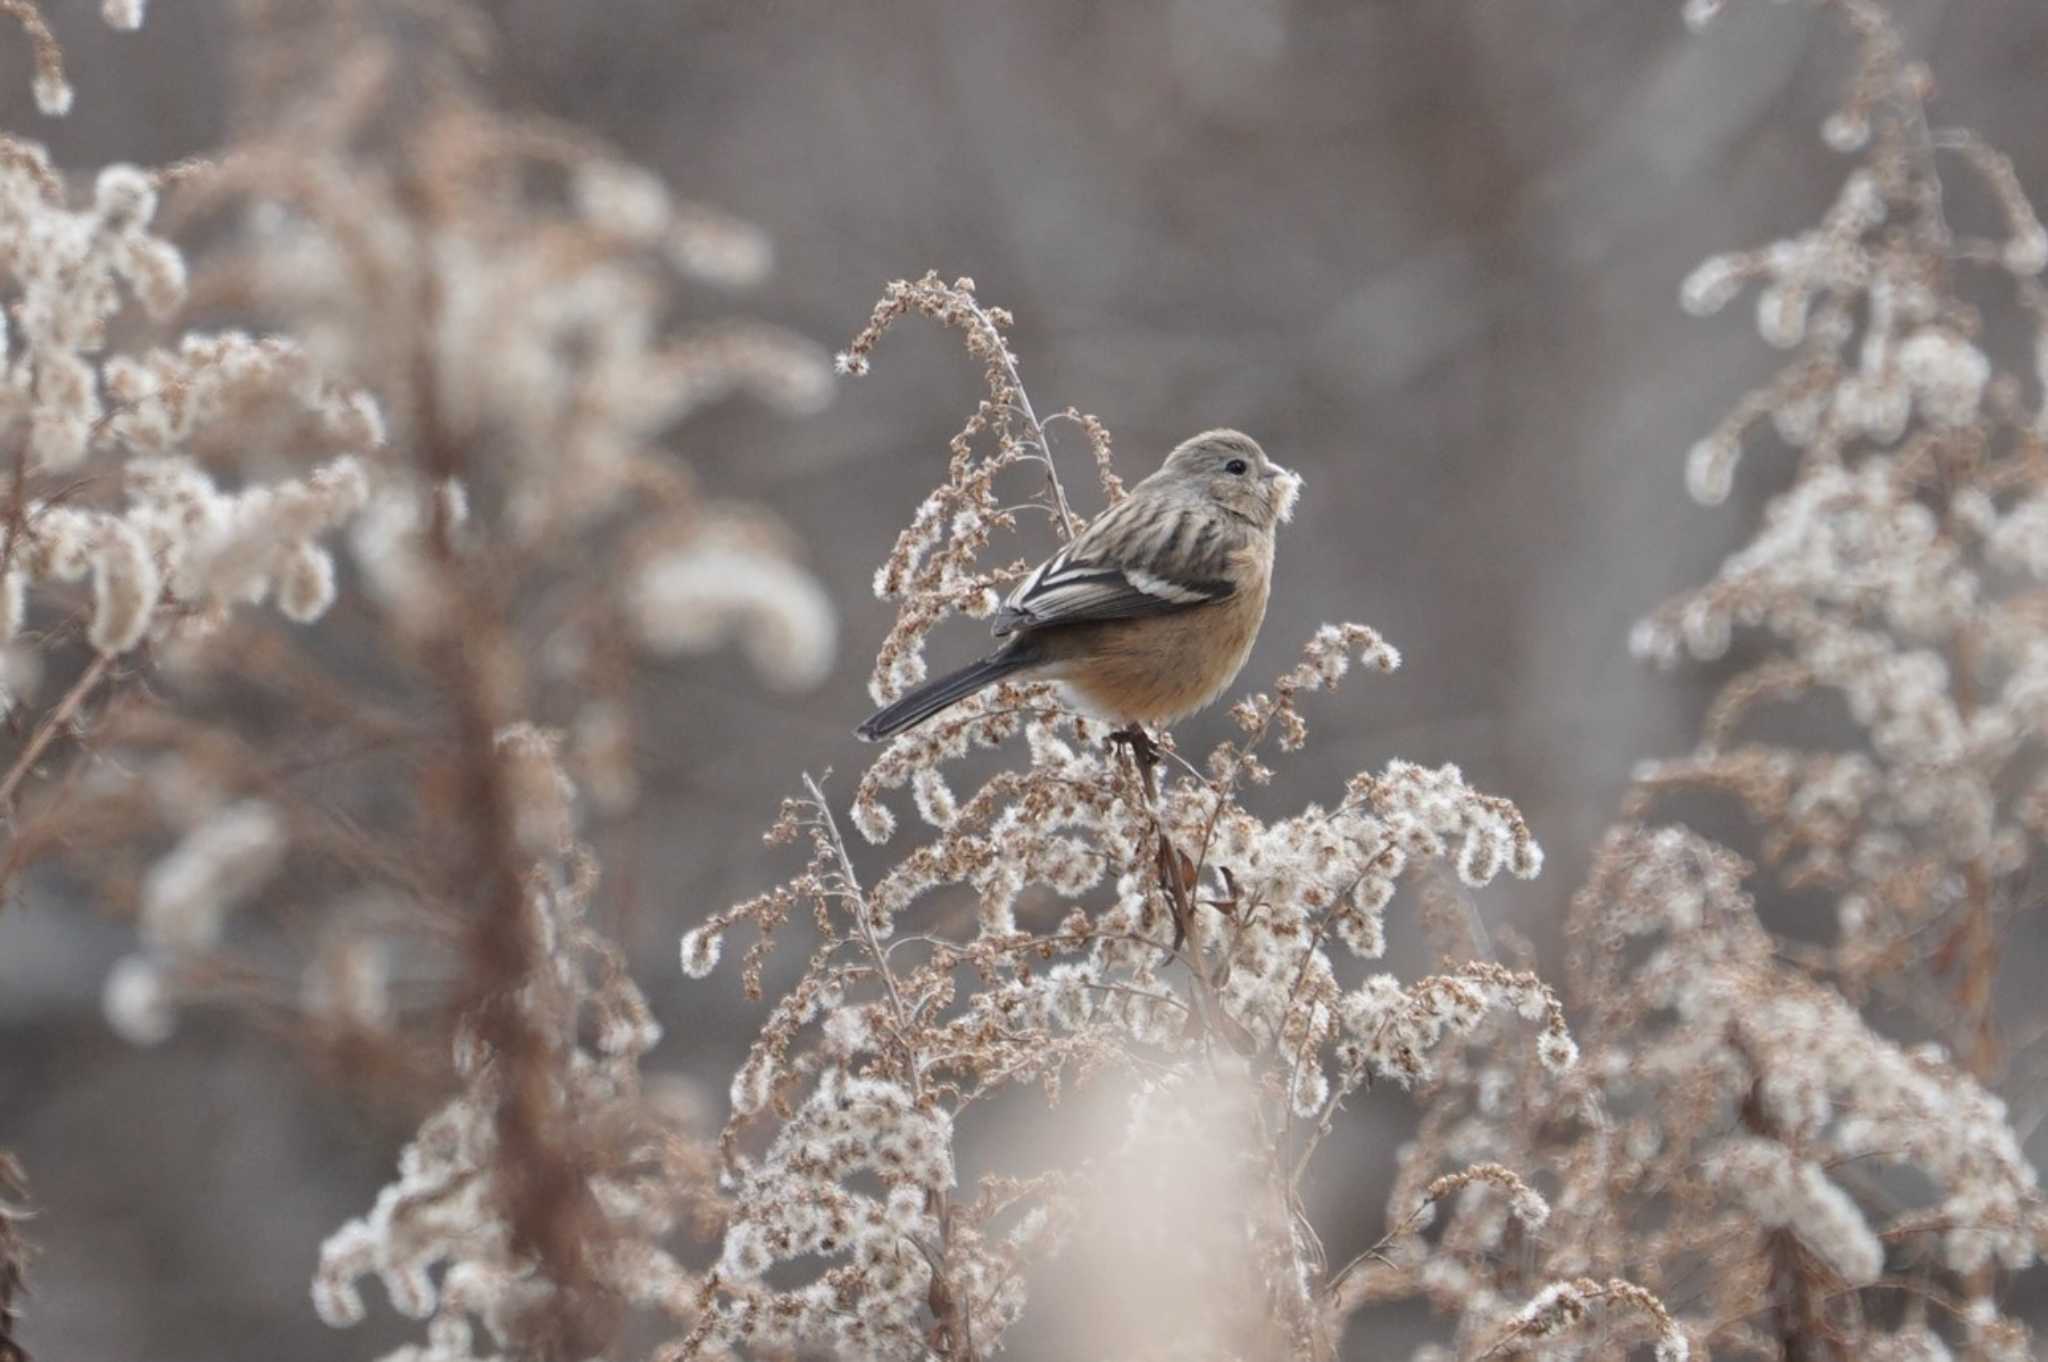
[1740, 1139]
[1068, 925]
[1898, 576]
[935, 570]
[418, 389]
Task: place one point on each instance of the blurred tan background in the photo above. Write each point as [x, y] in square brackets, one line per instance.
[1427, 251]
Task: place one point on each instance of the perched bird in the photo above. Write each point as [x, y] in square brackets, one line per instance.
[1147, 614]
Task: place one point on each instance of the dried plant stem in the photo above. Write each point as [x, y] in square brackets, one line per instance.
[14, 1255]
[947, 1301]
[857, 905]
[45, 732]
[1376, 1253]
[17, 508]
[1024, 409]
[548, 1202]
[49, 57]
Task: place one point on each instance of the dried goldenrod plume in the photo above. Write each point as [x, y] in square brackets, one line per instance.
[1791, 1181]
[1896, 575]
[1065, 923]
[344, 604]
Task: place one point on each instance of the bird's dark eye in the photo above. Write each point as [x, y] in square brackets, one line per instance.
[1237, 466]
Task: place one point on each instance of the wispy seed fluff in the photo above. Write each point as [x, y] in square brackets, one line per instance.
[543, 797]
[722, 581]
[125, 585]
[13, 603]
[306, 590]
[219, 864]
[137, 1002]
[701, 948]
[53, 94]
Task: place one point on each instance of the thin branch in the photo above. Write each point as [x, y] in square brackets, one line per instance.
[46, 731]
[1024, 409]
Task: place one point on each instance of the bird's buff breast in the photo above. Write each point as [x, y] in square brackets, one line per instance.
[1157, 670]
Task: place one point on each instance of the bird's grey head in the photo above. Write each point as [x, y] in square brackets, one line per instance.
[1229, 468]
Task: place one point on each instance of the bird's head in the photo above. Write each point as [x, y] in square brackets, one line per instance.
[1229, 468]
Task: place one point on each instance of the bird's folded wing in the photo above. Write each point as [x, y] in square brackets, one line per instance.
[1071, 590]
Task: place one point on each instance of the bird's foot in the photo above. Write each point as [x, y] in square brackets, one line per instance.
[1144, 755]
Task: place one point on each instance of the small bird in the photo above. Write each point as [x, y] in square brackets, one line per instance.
[1146, 615]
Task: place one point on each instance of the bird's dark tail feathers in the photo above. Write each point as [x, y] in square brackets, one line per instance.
[933, 696]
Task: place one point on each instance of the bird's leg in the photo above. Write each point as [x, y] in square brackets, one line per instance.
[1144, 755]
[1176, 872]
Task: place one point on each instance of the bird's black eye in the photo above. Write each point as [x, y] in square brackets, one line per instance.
[1237, 466]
